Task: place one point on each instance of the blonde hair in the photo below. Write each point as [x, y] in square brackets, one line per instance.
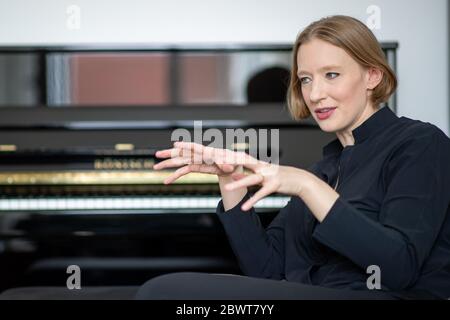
[358, 41]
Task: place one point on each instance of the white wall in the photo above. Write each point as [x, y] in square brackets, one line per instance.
[420, 26]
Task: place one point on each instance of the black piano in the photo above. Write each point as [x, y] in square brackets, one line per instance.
[77, 151]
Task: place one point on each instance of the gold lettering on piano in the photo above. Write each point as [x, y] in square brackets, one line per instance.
[239, 146]
[124, 147]
[123, 164]
[101, 178]
[7, 147]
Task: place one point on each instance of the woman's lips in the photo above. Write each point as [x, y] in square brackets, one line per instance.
[324, 113]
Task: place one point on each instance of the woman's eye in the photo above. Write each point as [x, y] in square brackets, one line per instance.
[305, 80]
[332, 75]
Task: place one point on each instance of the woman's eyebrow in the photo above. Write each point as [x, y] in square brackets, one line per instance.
[330, 67]
[325, 68]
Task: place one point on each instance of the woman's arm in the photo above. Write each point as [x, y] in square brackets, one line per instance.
[317, 195]
[230, 198]
[259, 250]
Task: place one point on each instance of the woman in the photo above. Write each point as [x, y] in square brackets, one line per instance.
[379, 197]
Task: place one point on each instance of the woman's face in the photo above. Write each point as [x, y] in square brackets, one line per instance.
[334, 86]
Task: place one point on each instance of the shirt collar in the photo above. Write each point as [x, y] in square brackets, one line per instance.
[377, 121]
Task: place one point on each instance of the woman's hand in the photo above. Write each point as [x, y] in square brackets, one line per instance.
[318, 196]
[194, 157]
[273, 179]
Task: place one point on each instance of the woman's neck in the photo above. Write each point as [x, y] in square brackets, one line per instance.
[345, 136]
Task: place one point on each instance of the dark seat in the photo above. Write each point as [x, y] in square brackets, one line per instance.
[104, 278]
[62, 293]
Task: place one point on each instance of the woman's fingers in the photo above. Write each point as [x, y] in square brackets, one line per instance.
[245, 182]
[189, 146]
[224, 157]
[240, 158]
[219, 156]
[177, 174]
[261, 193]
[168, 153]
[173, 153]
[226, 167]
[187, 169]
[226, 160]
[238, 175]
[193, 152]
[170, 163]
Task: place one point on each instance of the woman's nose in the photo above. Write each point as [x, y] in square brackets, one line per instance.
[317, 92]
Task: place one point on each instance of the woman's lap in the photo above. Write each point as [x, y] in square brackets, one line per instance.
[204, 286]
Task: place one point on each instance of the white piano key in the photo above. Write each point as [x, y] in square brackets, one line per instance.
[116, 203]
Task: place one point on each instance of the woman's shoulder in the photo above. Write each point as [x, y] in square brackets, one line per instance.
[415, 132]
[417, 141]
[419, 149]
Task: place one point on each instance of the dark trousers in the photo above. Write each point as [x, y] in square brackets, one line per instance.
[204, 286]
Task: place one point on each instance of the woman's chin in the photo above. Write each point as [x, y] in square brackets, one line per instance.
[327, 127]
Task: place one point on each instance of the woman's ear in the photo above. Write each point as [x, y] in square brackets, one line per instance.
[374, 77]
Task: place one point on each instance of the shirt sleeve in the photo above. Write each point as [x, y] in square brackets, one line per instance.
[412, 212]
[259, 251]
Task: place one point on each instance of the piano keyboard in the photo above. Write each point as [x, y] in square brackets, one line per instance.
[125, 203]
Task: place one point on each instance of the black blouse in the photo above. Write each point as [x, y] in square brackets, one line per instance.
[393, 212]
